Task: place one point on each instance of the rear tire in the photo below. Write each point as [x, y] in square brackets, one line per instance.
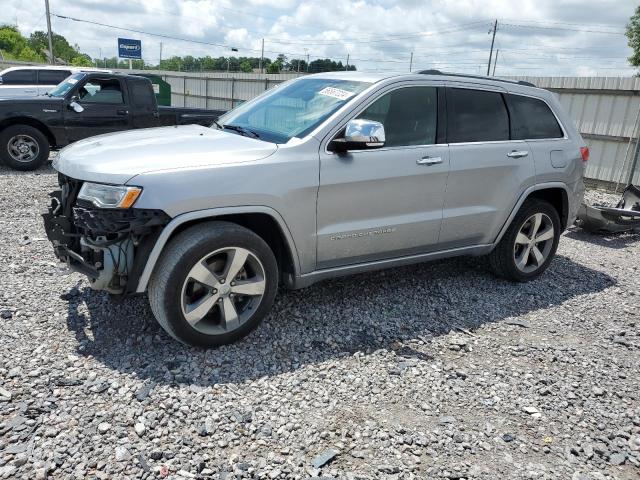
[191, 296]
[23, 147]
[529, 244]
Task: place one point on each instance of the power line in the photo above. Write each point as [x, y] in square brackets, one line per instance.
[517, 25]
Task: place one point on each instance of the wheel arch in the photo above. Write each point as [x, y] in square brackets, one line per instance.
[556, 193]
[32, 122]
[263, 221]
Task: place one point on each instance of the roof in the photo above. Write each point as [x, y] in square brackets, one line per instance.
[374, 77]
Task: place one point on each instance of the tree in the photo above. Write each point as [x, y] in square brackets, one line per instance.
[245, 66]
[633, 34]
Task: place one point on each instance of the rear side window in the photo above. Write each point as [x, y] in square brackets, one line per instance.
[476, 116]
[532, 119]
[409, 116]
[142, 94]
[19, 77]
[52, 77]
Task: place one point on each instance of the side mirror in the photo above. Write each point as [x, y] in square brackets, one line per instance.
[360, 134]
[75, 106]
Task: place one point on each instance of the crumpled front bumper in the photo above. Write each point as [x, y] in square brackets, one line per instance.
[109, 246]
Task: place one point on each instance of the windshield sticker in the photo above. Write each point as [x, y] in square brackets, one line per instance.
[72, 81]
[335, 93]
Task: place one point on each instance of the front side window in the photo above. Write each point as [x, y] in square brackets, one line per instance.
[532, 119]
[293, 109]
[476, 116]
[63, 88]
[409, 116]
[19, 77]
[100, 91]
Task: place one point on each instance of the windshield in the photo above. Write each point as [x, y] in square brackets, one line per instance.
[293, 109]
[67, 84]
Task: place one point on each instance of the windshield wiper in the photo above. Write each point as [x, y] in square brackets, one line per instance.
[241, 130]
[218, 125]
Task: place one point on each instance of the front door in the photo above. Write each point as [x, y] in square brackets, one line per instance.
[105, 109]
[383, 203]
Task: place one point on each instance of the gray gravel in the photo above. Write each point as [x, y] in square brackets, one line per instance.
[430, 371]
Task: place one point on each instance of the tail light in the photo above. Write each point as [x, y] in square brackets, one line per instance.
[584, 153]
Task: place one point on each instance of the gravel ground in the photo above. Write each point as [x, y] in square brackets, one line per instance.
[430, 371]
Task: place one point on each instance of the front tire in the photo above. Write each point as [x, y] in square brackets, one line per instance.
[214, 284]
[529, 244]
[23, 147]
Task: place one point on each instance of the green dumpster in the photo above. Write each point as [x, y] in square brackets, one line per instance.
[161, 88]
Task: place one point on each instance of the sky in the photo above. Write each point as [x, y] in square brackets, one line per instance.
[534, 37]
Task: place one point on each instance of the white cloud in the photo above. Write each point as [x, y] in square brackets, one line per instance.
[376, 34]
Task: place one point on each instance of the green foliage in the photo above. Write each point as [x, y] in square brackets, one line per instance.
[328, 65]
[633, 34]
[16, 47]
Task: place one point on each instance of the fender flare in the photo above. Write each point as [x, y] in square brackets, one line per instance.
[521, 200]
[210, 213]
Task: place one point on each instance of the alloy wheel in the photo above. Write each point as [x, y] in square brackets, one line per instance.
[222, 290]
[533, 243]
[23, 148]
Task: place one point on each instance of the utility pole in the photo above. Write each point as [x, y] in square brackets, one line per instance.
[51, 56]
[493, 39]
[411, 62]
[495, 62]
[262, 56]
[160, 62]
[347, 67]
[306, 50]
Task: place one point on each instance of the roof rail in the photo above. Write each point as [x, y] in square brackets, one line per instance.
[438, 72]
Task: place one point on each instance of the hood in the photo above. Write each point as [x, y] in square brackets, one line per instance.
[21, 101]
[117, 157]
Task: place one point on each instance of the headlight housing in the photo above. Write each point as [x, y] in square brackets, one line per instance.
[109, 196]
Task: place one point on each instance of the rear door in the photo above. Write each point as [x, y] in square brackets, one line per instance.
[488, 171]
[533, 120]
[19, 83]
[387, 202]
[47, 79]
[106, 109]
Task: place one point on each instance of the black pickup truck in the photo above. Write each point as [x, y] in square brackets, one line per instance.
[83, 105]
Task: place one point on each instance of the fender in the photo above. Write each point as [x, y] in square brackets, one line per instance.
[210, 213]
[522, 198]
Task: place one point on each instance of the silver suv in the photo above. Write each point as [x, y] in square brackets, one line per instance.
[325, 175]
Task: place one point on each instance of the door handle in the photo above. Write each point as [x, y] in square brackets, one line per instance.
[517, 153]
[429, 161]
[122, 112]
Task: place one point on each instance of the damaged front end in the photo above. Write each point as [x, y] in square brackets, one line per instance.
[108, 245]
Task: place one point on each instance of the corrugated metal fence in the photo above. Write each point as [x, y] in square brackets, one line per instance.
[221, 90]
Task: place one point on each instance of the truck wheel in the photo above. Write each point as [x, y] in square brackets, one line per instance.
[213, 285]
[528, 246]
[23, 147]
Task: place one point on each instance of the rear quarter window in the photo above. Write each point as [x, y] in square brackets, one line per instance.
[476, 116]
[532, 119]
[52, 77]
[142, 94]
